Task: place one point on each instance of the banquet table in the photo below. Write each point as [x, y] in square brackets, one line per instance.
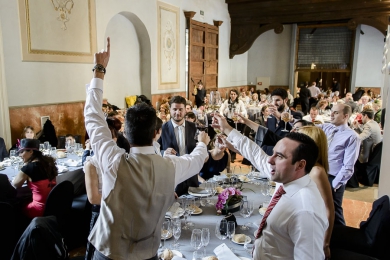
[74, 174]
[208, 219]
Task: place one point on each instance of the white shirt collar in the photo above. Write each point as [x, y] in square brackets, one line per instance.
[294, 186]
[176, 125]
[143, 150]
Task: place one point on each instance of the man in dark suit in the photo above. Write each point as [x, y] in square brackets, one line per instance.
[178, 138]
[3, 150]
[304, 95]
[278, 106]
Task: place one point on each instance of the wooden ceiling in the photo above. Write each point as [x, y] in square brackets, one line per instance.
[251, 18]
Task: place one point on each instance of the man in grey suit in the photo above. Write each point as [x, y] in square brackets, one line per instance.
[369, 134]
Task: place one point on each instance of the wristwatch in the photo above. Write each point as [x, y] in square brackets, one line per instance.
[99, 68]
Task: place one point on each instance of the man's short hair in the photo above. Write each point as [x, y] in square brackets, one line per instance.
[190, 115]
[280, 92]
[178, 100]
[159, 123]
[140, 124]
[314, 108]
[347, 110]
[369, 112]
[307, 150]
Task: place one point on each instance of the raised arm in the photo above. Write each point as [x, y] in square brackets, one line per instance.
[103, 145]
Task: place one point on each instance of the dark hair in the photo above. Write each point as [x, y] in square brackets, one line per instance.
[143, 99]
[46, 164]
[178, 100]
[264, 108]
[112, 113]
[190, 115]
[304, 122]
[235, 91]
[279, 92]
[114, 122]
[159, 123]
[369, 112]
[266, 90]
[140, 124]
[307, 150]
[188, 104]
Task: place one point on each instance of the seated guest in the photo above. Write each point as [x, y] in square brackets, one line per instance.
[369, 134]
[164, 114]
[188, 108]
[190, 117]
[377, 107]
[218, 160]
[313, 116]
[156, 145]
[28, 133]
[40, 173]
[3, 150]
[263, 100]
[255, 99]
[323, 107]
[69, 139]
[264, 114]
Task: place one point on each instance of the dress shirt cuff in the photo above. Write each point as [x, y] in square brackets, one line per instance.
[234, 136]
[95, 83]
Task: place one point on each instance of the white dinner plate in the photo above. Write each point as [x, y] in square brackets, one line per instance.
[244, 258]
[247, 240]
[197, 212]
[175, 253]
[198, 194]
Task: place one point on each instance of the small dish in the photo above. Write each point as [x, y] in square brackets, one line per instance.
[247, 240]
[197, 212]
[175, 253]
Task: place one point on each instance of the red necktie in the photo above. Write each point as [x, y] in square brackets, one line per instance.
[272, 204]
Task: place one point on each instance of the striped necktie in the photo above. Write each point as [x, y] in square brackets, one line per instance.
[331, 136]
[272, 204]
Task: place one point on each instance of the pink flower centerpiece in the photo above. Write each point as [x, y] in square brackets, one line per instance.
[229, 196]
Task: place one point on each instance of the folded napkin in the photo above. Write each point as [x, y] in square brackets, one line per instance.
[172, 211]
[62, 168]
[224, 253]
[197, 190]
[73, 163]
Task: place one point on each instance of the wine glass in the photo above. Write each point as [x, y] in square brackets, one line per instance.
[205, 238]
[176, 230]
[235, 116]
[221, 229]
[231, 231]
[185, 214]
[196, 239]
[198, 255]
[200, 123]
[191, 209]
[244, 212]
[12, 154]
[286, 119]
[165, 232]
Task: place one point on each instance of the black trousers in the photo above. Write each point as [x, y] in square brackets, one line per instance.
[337, 201]
[100, 256]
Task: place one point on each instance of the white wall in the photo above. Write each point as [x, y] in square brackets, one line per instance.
[30, 83]
[269, 56]
[369, 58]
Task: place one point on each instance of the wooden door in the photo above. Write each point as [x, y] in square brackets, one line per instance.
[203, 42]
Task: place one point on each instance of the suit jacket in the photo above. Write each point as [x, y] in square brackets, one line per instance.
[370, 135]
[168, 140]
[7, 191]
[168, 137]
[277, 128]
[3, 150]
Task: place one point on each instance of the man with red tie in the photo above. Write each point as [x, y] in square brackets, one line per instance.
[294, 225]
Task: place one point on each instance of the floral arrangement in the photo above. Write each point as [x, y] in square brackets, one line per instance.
[228, 196]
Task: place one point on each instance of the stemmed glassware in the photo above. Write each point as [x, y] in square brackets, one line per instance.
[196, 239]
[231, 231]
[205, 238]
[166, 232]
[176, 230]
[186, 214]
[200, 123]
[286, 119]
[244, 212]
[235, 118]
[191, 209]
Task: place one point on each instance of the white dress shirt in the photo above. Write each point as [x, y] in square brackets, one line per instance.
[108, 154]
[224, 109]
[180, 134]
[318, 118]
[296, 226]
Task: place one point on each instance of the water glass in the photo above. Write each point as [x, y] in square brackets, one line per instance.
[196, 239]
[245, 213]
[41, 147]
[191, 208]
[231, 231]
[46, 145]
[12, 154]
[221, 229]
[205, 238]
[165, 231]
[198, 255]
[176, 229]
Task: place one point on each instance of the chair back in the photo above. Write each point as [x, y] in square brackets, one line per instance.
[77, 138]
[8, 236]
[61, 142]
[379, 215]
[59, 202]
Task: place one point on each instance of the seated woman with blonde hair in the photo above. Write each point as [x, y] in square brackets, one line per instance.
[319, 174]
